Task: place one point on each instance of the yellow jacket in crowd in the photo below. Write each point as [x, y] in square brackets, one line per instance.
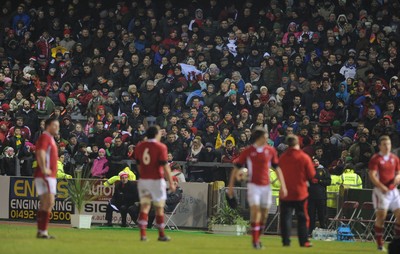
[219, 142]
[333, 191]
[351, 180]
[60, 170]
[275, 184]
[112, 180]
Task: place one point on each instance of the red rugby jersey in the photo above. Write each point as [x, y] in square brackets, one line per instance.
[47, 143]
[258, 161]
[387, 166]
[151, 156]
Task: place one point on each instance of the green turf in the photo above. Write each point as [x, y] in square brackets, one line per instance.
[21, 239]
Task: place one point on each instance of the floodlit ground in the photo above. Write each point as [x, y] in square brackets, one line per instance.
[20, 238]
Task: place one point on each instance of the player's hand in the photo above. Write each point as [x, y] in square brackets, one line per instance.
[172, 187]
[283, 192]
[396, 180]
[384, 189]
[47, 172]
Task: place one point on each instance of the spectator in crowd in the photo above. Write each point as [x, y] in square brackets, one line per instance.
[60, 167]
[196, 173]
[173, 198]
[8, 162]
[277, 65]
[100, 165]
[318, 196]
[125, 200]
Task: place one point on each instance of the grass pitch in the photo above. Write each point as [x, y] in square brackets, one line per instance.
[17, 238]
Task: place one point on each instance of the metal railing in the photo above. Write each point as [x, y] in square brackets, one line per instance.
[272, 225]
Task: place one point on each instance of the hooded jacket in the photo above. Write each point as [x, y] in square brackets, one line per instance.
[100, 167]
[343, 95]
[276, 110]
[60, 170]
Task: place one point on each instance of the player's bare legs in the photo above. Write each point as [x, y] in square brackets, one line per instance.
[255, 219]
[145, 206]
[263, 220]
[43, 215]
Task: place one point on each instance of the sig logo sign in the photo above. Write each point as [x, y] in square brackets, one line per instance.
[98, 206]
[24, 202]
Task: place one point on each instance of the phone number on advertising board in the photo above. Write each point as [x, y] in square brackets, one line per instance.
[31, 215]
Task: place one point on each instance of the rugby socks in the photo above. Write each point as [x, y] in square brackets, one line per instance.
[255, 232]
[262, 228]
[160, 225]
[143, 218]
[39, 221]
[396, 231]
[43, 218]
[379, 236]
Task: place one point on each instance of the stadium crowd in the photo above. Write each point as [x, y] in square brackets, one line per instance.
[207, 72]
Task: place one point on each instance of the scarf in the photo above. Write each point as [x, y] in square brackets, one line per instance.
[194, 151]
[41, 105]
[18, 142]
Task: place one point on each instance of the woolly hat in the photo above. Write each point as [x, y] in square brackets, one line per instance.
[108, 140]
[123, 173]
[279, 90]
[232, 92]
[5, 107]
[388, 117]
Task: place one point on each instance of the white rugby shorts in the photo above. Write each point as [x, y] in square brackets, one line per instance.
[45, 185]
[259, 195]
[388, 201]
[156, 189]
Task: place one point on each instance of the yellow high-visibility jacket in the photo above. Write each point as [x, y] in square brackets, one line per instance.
[333, 191]
[351, 180]
[275, 184]
[112, 180]
[60, 170]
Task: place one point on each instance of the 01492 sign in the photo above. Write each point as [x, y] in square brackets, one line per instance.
[24, 203]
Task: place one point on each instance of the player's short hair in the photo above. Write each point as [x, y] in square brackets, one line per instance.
[292, 140]
[383, 138]
[257, 133]
[49, 121]
[152, 131]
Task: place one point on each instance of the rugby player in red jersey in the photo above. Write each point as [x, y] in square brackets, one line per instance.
[384, 172]
[258, 157]
[152, 160]
[45, 175]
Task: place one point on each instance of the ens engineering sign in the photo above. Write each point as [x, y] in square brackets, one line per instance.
[24, 202]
